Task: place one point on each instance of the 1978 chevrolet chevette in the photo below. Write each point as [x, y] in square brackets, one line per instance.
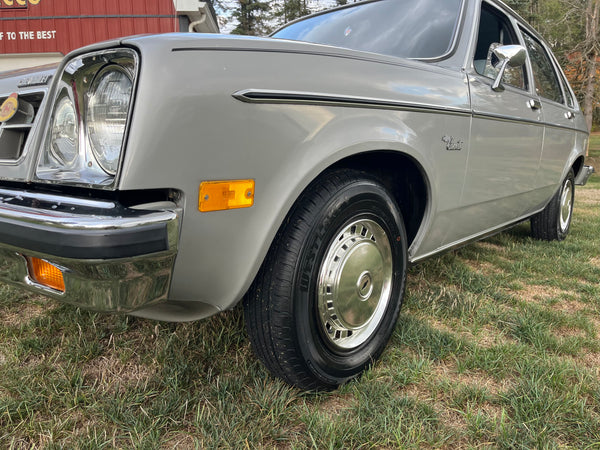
[172, 176]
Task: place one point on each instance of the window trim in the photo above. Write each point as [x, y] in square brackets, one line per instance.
[554, 64]
[511, 20]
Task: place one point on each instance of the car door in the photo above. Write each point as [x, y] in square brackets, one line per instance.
[558, 111]
[506, 133]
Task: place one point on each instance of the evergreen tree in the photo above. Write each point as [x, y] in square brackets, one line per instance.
[252, 17]
[284, 11]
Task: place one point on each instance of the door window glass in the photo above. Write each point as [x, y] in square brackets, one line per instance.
[494, 31]
[546, 81]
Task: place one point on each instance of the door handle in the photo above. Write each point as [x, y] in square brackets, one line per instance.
[534, 103]
[569, 115]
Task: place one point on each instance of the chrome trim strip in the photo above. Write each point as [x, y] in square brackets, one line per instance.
[466, 241]
[504, 118]
[314, 98]
[6, 194]
[84, 220]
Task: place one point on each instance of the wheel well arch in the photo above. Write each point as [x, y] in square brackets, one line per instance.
[402, 175]
[578, 165]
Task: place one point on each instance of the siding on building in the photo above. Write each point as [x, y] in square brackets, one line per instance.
[43, 30]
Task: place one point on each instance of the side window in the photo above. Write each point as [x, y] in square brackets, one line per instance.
[546, 81]
[567, 92]
[495, 30]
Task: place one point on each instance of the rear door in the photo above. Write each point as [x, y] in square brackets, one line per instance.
[558, 111]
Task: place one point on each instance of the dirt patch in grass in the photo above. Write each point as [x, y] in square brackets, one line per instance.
[417, 391]
[490, 410]
[595, 261]
[486, 337]
[489, 337]
[490, 246]
[587, 196]
[483, 381]
[455, 421]
[483, 267]
[180, 441]
[442, 326]
[25, 312]
[110, 374]
[449, 370]
[541, 294]
[589, 360]
[336, 404]
[567, 332]
[569, 306]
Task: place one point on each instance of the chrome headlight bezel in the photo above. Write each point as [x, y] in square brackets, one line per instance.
[98, 104]
[78, 81]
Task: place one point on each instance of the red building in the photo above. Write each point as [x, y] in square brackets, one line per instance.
[34, 32]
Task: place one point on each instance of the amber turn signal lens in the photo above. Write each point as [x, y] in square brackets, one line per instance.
[221, 195]
[46, 274]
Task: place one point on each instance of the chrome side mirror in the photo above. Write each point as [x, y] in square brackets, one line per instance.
[508, 56]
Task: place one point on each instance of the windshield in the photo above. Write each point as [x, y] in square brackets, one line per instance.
[406, 28]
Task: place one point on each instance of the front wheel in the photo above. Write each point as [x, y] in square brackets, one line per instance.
[554, 221]
[327, 298]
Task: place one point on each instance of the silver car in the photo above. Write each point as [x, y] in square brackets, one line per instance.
[173, 176]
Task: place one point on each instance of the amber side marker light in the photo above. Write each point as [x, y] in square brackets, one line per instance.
[221, 195]
[46, 274]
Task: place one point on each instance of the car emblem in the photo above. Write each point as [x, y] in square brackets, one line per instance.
[9, 107]
[35, 80]
[452, 143]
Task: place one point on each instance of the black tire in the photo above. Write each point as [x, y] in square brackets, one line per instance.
[345, 233]
[554, 221]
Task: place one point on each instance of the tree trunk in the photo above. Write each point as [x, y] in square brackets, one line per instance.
[591, 59]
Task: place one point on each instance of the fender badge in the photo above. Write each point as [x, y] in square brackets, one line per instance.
[452, 144]
[9, 107]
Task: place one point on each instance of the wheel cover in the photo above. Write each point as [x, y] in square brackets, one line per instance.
[566, 205]
[355, 284]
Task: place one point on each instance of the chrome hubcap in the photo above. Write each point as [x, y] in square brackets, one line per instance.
[355, 283]
[566, 205]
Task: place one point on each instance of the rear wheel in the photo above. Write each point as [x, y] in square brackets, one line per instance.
[554, 221]
[327, 298]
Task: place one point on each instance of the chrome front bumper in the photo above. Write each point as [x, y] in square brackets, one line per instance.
[113, 259]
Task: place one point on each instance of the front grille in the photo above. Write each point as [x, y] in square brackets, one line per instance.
[14, 132]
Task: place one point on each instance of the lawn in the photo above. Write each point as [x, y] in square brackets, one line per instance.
[498, 345]
[594, 150]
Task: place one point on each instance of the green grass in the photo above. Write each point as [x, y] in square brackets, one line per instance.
[594, 151]
[497, 346]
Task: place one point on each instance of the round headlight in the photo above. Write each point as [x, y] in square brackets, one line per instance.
[107, 115]
[64, 144]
